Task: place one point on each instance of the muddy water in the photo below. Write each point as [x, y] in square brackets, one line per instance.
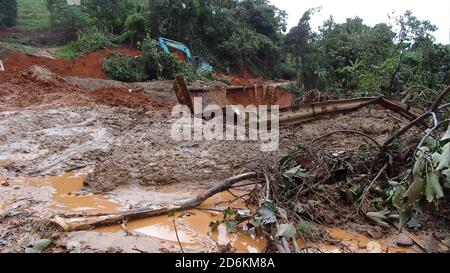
[67, 194]
[361, 243]
[193, 227]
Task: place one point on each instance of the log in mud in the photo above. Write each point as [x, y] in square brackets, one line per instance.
[92, 221]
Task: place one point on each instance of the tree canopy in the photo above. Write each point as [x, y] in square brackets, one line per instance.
[234, 35]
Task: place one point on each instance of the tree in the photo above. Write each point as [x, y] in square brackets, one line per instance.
[109, 15]
[8, 13]
[300, 43]
[411, 31]
[231, 34]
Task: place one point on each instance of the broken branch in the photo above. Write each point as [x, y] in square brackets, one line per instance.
[92, 221]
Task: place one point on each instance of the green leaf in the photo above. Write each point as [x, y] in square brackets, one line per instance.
[231, 226]
[414, 223]
[415, 191]
[287, 231]
[304, 227]
[436, 158]
[446, 174]
[433, 188]
[265, 215]
[228, 212]
[40, 245]
[398, 196]
[444, 142]
[378, 218]
[296, 172]
[215, 226]
[405, 216]
[444, 161]
[299, 208]
[420, 161]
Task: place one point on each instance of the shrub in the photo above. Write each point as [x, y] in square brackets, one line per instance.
[124, 68]
[92, 41]
[153, 64]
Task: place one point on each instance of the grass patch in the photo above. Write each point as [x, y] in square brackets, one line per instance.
[5, 49]
[33, 14]
[69, 51]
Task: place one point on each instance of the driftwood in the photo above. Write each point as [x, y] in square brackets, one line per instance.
[92, 221]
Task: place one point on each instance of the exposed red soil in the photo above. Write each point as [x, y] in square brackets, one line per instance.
[89, 65]
[121, 97]
[39, 88]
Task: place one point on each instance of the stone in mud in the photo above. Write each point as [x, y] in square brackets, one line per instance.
[73, 247]
[404, 241]
[373, 247]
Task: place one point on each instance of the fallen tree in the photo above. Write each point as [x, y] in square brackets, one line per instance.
[67, 223]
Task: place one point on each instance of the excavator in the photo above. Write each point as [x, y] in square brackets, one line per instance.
[183, 53]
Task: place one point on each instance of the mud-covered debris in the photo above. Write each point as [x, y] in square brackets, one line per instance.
[38, 246]
[403, 240]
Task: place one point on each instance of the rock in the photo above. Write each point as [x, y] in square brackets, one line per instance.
[373, 247]
[404, 241]
[5, 184]
[73, 247]
[38, 246]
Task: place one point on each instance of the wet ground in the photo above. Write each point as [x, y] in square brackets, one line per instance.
[89, 145]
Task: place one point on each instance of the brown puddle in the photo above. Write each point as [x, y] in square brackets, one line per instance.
[193, 226]
[361, 243]
[67, 189]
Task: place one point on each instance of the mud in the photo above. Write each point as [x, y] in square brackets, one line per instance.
[89, 65]
[56, 140]
[56, 118]
[39, 88]
[147, 155]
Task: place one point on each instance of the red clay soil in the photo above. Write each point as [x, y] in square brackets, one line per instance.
[88, 66]
[121, 97]
[45, 90]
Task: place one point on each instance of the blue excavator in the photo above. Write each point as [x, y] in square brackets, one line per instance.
[183, 53]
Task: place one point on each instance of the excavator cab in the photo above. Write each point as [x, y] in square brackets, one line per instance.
[183, 53]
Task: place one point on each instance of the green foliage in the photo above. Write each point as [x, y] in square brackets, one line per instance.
[8, 13]
[88, 41]
[69, 51]
[135, 28]
[352, 57]
[33, 14]
[109, 15]
[231, 35]
[69, 16]
[152, 64]
[124, 68]
[430, 175]
[93, 40]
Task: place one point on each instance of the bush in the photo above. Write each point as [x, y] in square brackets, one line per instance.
[92, 41]
[153, 64]
[87, 42]
[8, 12]
[124, 68]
